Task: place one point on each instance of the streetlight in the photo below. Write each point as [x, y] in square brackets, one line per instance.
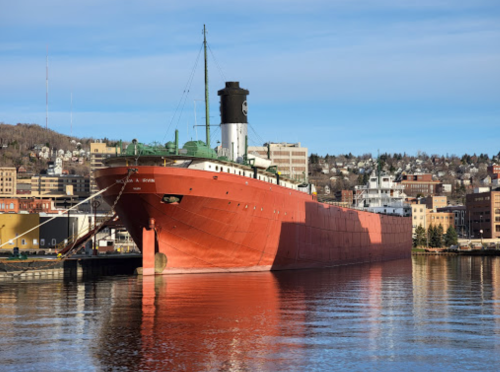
[481, 227]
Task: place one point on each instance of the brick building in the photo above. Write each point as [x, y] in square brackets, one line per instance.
[31, 205]
[345, 196]
[494, 171]
[483, 213]
[420, 184]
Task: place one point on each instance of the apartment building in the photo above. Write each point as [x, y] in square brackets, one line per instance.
[291, 158]
[8, 181]
[44, 185]
[98, 152]
[483, 214]
[418, 213]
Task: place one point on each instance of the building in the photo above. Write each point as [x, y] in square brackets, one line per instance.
[445, 219]
[345, 196]
[12, 226]
[447, 188]
[483, 214]
[44, 185]
[30, 205]
[291, 158]
[23, 186]
[8, 181]
[98, 152]
[460, 220]
[9, 205]
[435, 202]
[418, 213]
[420, 184]
[494, 171]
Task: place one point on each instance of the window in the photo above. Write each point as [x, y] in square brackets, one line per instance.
[23, 241]
[42, 242]
[11, 205]
[54, 241]
[35, 241]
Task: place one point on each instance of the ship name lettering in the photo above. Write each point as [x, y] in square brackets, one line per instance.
[148, 180]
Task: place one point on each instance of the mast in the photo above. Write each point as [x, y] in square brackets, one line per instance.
[207, 109]
[47, 88]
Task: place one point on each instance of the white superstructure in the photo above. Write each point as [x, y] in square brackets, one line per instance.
[382, 195]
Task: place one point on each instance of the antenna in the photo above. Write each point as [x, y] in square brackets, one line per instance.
[47, 88]
[71, 112]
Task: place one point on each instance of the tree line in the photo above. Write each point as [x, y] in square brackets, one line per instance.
[435, 237]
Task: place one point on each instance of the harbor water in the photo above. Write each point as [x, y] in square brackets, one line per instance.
[424, 313]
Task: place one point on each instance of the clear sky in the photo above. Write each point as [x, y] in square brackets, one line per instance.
[338, 76]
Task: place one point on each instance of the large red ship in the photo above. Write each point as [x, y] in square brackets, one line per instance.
[194, 209]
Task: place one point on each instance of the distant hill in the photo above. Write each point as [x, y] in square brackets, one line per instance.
[18, 141]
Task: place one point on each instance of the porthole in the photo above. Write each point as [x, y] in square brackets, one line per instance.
[216, 168]
[246, 206]
[255, 207]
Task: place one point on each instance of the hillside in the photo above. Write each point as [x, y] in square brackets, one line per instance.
[18, 142]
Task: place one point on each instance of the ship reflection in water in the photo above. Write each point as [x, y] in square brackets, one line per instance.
[439, 313]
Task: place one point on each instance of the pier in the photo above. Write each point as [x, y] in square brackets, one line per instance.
[77, 266]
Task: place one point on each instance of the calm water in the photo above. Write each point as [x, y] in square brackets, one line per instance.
[425, 313]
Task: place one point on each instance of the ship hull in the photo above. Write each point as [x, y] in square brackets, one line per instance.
[230, 223]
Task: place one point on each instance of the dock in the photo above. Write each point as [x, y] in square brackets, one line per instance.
[76, 267]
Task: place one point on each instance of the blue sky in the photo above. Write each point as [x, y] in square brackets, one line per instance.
[337, 75]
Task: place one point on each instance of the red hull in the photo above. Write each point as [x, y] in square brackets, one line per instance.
[230, 223]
